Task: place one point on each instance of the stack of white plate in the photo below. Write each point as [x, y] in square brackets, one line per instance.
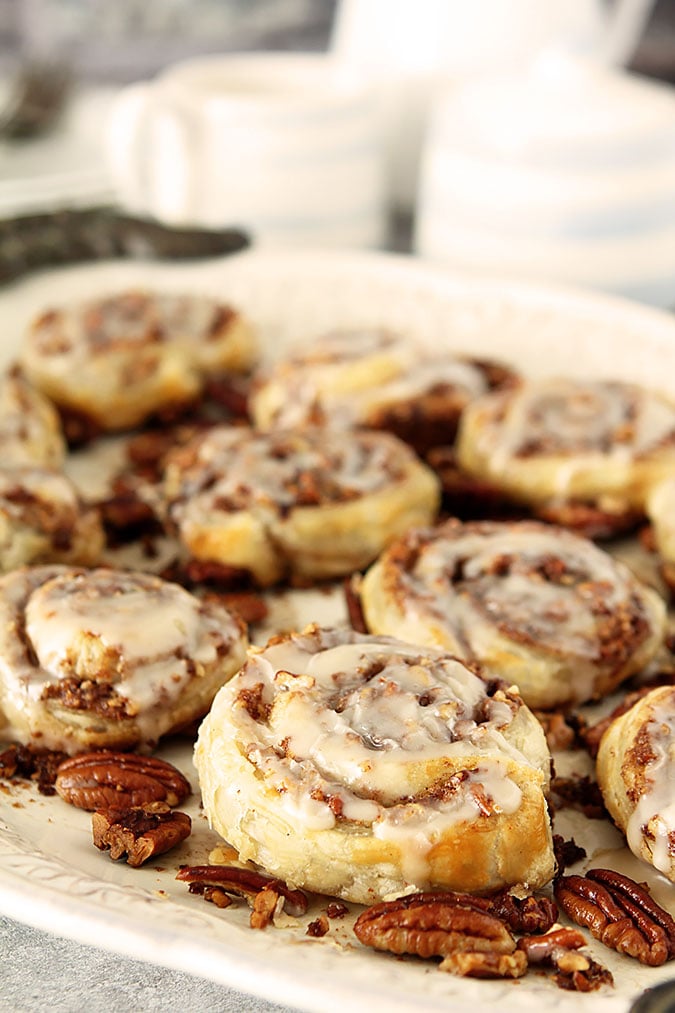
[566, 173]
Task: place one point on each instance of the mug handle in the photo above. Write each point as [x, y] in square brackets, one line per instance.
[126, 153]
[152, 152]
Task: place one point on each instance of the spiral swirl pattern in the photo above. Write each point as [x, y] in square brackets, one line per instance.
[315, 502]
[536, 605]
[358, 765]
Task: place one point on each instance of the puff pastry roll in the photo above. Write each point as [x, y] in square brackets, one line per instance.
[108, 658]
[538, 605]
[373, 378]
[557, 443]
[311, 504]
[661, 514]
[44, 520]
[30, 427]
[361, 766]
[116, 360]
[636, 774]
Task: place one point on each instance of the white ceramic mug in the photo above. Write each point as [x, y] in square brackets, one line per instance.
[285, 145]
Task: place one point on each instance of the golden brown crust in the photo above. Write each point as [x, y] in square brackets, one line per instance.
[636, 768]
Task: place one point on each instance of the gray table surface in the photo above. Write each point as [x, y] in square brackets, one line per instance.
[41, 971]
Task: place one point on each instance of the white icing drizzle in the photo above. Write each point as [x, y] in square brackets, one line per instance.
[456, 580]
[237, 468]
[652, 823]
[613, 421]
[336, 372]
[126, 320]
[374, 731]
[150, 636]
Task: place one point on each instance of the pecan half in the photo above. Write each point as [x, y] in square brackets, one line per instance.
[524, 913]
[620, 913]
[248, 883]
[437, 926]
[99, 780]
[140, 832]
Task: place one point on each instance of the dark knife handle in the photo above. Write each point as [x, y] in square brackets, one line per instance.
[71, 236]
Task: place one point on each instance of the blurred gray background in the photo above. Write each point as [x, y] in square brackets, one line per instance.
[123, 40]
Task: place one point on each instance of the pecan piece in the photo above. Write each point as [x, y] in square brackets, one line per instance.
[140, 832]
[242, 883]
[264, 905]
[33, 764]
[318, 928]
[620, 913]
[485, 965]
[576, 971]
[434, 925]
[100, 780]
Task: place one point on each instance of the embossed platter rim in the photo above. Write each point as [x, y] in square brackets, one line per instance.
[51, 877]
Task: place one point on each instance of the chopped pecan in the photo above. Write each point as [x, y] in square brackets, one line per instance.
[319, 927]
[241, 882]
[103, 779]
[436, 926]
[620, 913]
[249, 605]
[567, 852]
[39, 765]
[543, 948]
[580, 793]
[522, 914]
[336, 909]
[576, 971]
[560, 735]
[140, 832]
[264, 905]
[485, 965]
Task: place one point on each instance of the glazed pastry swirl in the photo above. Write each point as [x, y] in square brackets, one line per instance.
[559, 440]
[30, 429]
[44, 520]
[99, 658]
[373, 378]
[359, 766]
[316, 503]
[636, 773]
[537, 605]
[117, 359]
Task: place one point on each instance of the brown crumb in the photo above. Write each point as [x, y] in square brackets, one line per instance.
[318, 928]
